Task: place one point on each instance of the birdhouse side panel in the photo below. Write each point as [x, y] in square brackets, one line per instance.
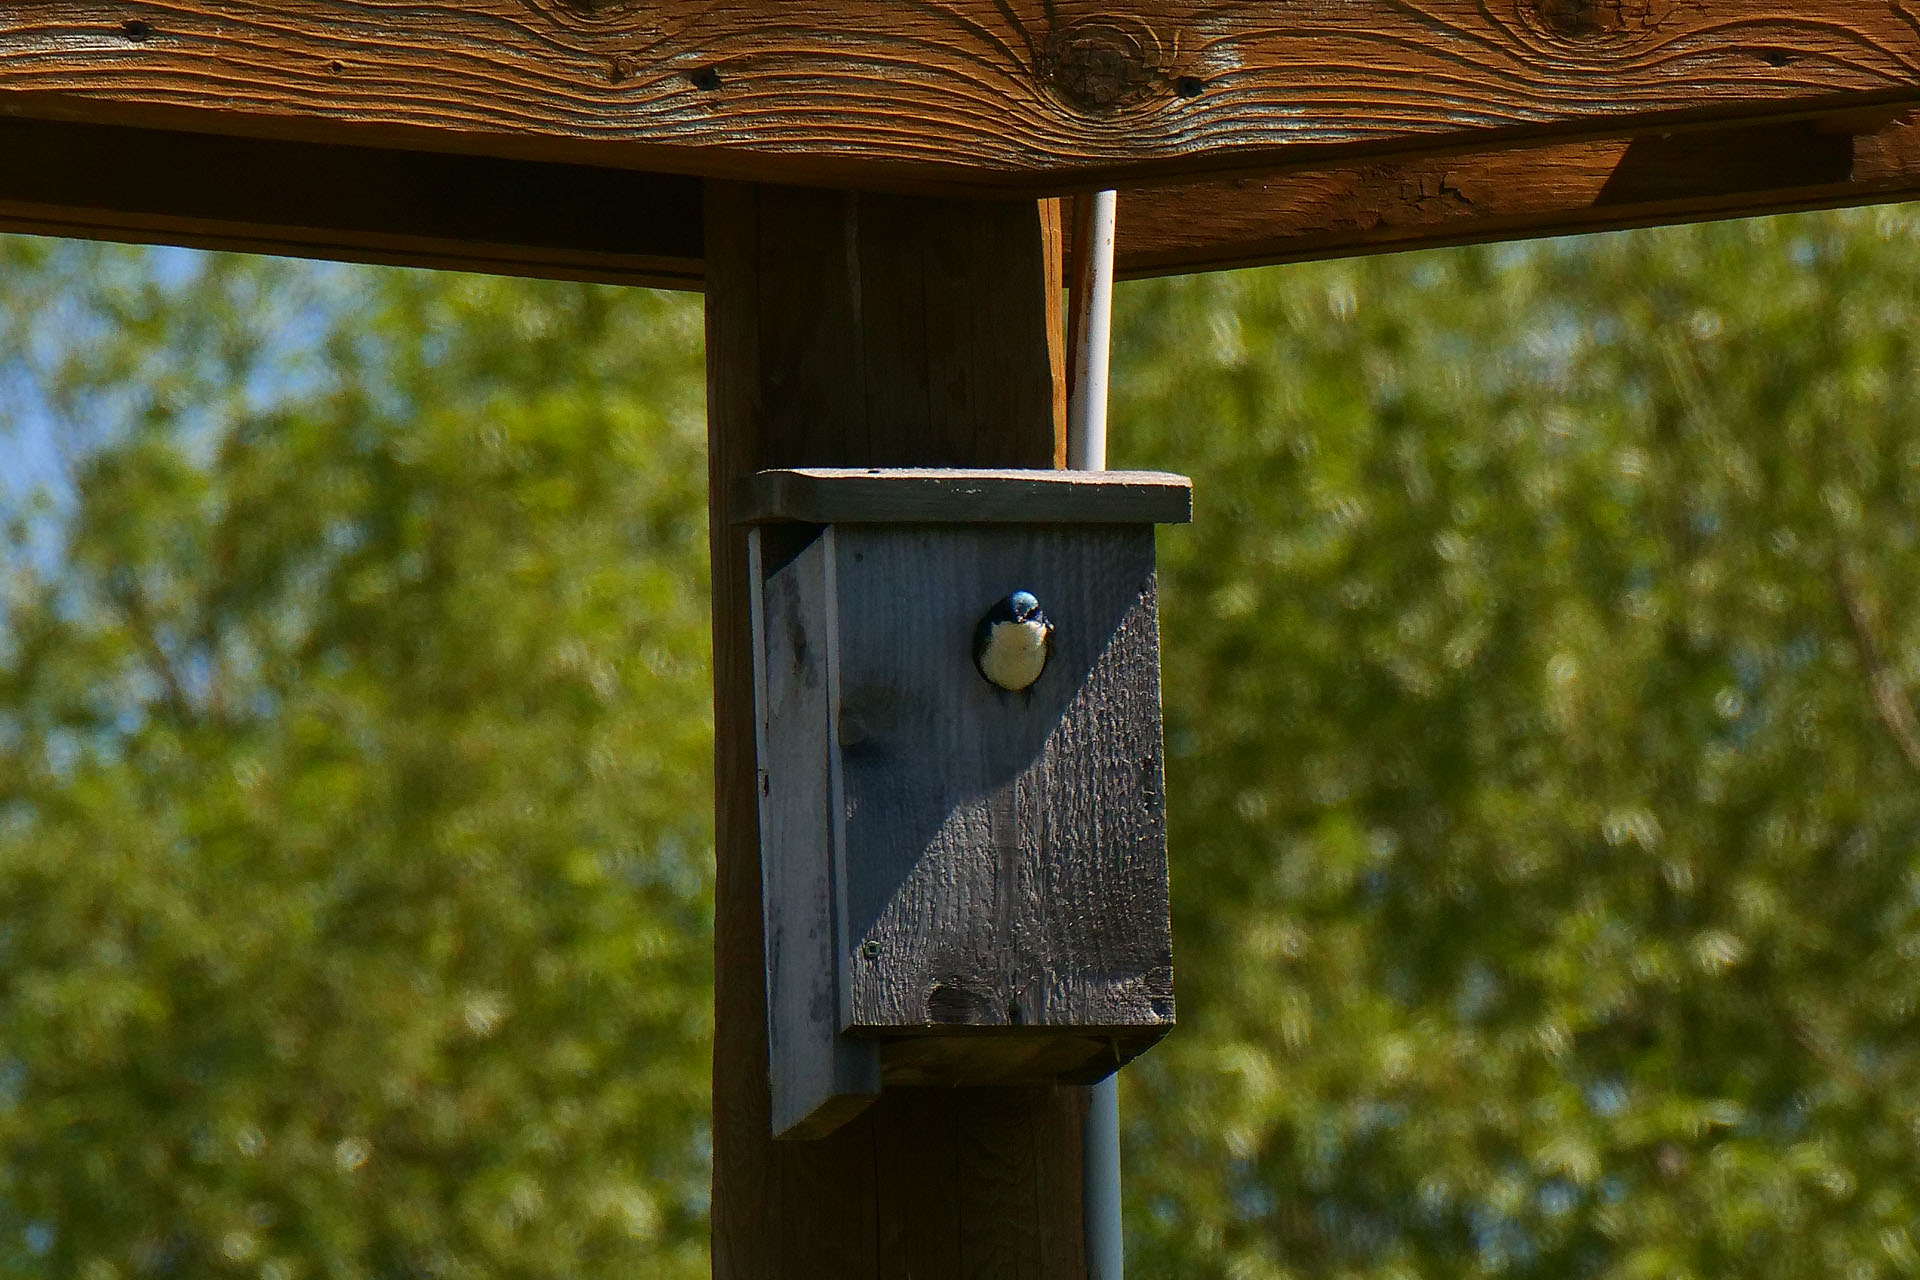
[1003, 853]
[819, 1078]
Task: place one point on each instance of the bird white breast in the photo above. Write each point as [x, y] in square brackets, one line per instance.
[1016, 654]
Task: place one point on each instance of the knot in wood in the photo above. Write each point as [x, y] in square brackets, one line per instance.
[1587, 20]
[583, 15]
[1099, 66]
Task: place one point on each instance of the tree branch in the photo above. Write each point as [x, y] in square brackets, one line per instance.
[1889, 697]
[133, 608]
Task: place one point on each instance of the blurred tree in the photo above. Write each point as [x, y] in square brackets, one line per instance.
[354, 891]
[1544, 766]
[1544, 774]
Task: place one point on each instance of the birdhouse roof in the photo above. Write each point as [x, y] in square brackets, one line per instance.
[826, 495]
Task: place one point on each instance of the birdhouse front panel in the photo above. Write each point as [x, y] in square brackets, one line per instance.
[1002, 852]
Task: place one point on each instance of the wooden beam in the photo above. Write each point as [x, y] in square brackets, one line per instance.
[1026, 95]
[578, 222]
[866, 331]
[1506, 195]
[359, 204]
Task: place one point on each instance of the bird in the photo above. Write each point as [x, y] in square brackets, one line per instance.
[1012, 643]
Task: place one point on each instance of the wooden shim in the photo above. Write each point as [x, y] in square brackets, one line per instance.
[1023, 95]
[357, 204]
[1004, 855]
[820, 1079]
[905, 495]
[1546, 190]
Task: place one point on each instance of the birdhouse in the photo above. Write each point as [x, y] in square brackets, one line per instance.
[962, 827]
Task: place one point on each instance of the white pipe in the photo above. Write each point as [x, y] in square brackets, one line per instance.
[1100, 1174]
[1087, 451]
[1093, 332]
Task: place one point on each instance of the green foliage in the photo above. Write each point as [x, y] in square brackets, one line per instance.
[1543, 767]
[353, 818]
[1547, 899]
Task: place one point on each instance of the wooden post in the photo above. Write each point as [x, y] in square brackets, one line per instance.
[856, 330]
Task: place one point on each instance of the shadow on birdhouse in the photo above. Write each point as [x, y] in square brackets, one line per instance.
[962, 827]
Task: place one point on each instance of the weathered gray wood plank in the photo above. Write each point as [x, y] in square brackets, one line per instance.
[840, 495]
[1004, 854]
[820, 1079]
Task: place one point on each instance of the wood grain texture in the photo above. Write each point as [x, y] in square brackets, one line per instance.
[1002, 1174]
[357, 204]
[1053, 250]
[819, 1079]
[1547, 190]
[788, 308]
[990, 1233]
[908, 495]
[1004, 856]
[1026, 95]
[576, 222]
[960, 1055]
